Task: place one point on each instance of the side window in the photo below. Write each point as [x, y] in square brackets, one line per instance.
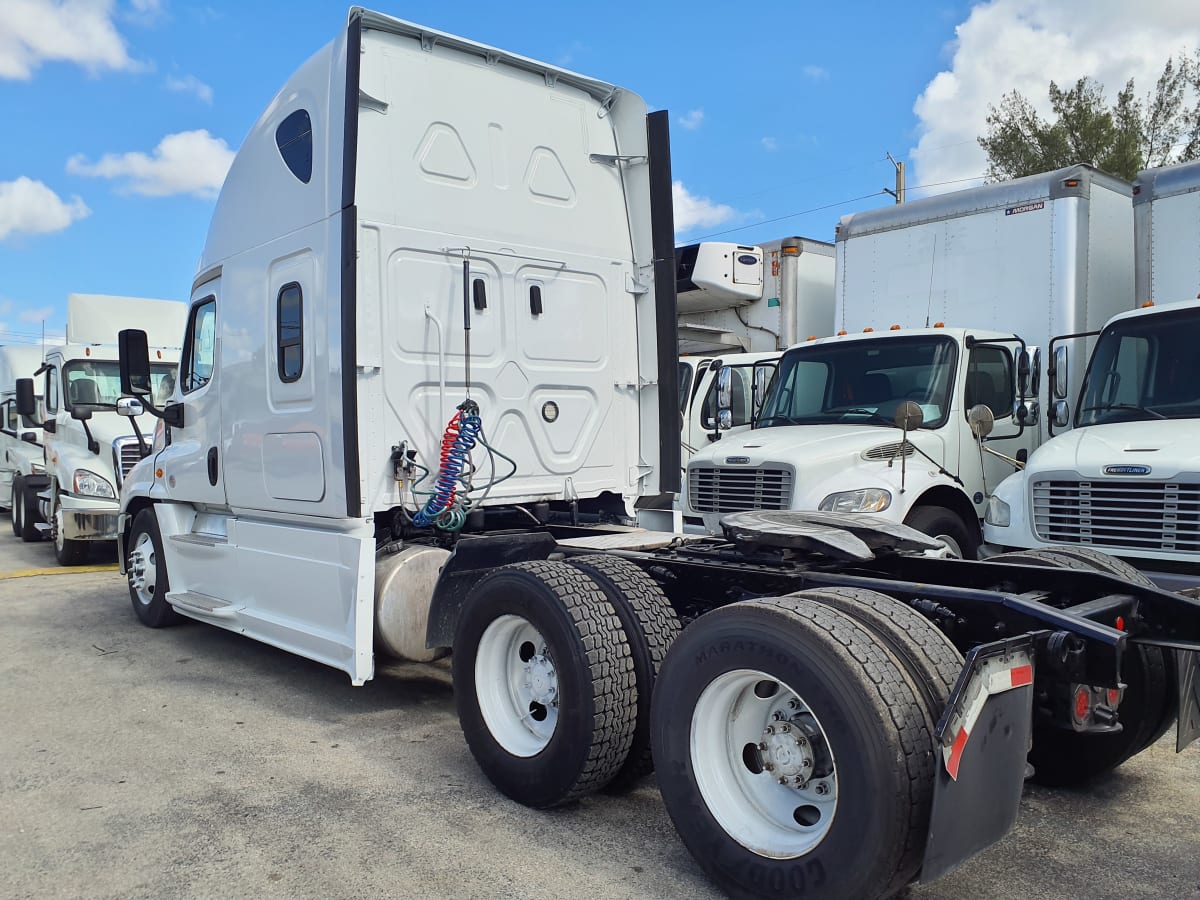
[199, 345]
[293, 137]
[990, 380]
[51, 392]
[290, 332]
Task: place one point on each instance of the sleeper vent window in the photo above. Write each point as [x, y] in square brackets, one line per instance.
[291, 332]
[294, 139]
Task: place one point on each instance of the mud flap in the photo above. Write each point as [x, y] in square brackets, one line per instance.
[982, 740]
[1188, 728]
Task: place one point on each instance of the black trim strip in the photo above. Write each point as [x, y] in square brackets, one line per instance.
[658, 146]
[350, 269]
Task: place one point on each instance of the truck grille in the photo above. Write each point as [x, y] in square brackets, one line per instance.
[1137, 515]
[735, 490]
[126, 455]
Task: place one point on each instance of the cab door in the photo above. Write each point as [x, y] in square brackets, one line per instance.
[193, 467]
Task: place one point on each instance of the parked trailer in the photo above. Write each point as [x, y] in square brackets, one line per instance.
[799, 682]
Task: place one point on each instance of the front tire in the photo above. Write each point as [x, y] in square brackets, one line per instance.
[31, 512]
[17, 505]
[66, 551]
[146, 571]
[544, 683]
[946, 526]
[793, 754]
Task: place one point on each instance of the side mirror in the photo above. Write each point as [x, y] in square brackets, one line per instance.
[981, 420]
[1026, 413]
[1059, 376]
[82, 413]
[131, 407]
[724, 389]
[26, 401]
[1024, 361]
[724, 419]
[909, 416]
[134, 353]
[1062, 414]
[1035, 371]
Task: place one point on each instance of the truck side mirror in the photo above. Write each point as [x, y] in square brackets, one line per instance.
[81, 413]
[909, 416]
[1024, 360]
[129, 407]
[134, 353]
[981, 420]
[724, 398]
[1035, 371]
[1062, 413]
[26, 401]
[1059, 376]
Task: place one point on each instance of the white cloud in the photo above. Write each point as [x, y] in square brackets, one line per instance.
[190, 84]
[189, 162]
[816, 73]
[692, 120]
[36, 315]
[770, 144]
[1023, 45]
[33, 32]
[692, 211]
[29, 207]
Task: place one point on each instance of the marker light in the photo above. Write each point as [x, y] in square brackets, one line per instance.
[842, 332]
[939, 324]
[868, 330]
[1147, 304]
[894, 328]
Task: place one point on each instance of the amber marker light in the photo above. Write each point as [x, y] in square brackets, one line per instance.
[894, 328]
[158, 473]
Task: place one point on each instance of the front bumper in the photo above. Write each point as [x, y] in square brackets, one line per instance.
[87, 519]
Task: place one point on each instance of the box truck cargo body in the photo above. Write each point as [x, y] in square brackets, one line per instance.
[741, 299]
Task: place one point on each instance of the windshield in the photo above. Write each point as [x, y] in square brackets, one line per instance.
[97, 382]
[861, 382]
[1144, 368]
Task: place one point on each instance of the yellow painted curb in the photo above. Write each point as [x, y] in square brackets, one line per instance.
[60, 570]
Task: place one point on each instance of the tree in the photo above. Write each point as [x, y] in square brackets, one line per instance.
[1131, 135]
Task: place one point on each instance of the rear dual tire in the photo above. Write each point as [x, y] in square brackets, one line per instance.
[544, 683]
[850, 817]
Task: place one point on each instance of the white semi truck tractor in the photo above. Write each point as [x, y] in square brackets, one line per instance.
[430, 368]
[22, 463]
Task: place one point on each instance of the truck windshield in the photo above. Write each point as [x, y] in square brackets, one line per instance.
[1144, 368]
[861, 382]
[97, 382]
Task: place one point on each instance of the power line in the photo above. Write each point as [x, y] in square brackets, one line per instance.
[805, 212]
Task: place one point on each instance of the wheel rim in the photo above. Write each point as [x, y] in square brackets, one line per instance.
[763, 764]
[143, 570]
[516, 684]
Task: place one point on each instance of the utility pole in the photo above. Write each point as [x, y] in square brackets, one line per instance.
[898, 193]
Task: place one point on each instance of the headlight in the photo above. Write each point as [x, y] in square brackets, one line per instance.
[998, 513]
[89, 484]
[865, 500]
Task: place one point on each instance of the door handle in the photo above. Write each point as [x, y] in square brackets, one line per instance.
[212, 466]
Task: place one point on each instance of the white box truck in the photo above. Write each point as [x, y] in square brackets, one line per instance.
[1125, 477]
[743, 305]
[936, 299]
[22, 470]
[89, 444]
[496, 249]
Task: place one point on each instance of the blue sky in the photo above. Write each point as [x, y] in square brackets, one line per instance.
[122, 116]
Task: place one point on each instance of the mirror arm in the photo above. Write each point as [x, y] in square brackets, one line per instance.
[1015, 463]
[143, 447]
[93, 445]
